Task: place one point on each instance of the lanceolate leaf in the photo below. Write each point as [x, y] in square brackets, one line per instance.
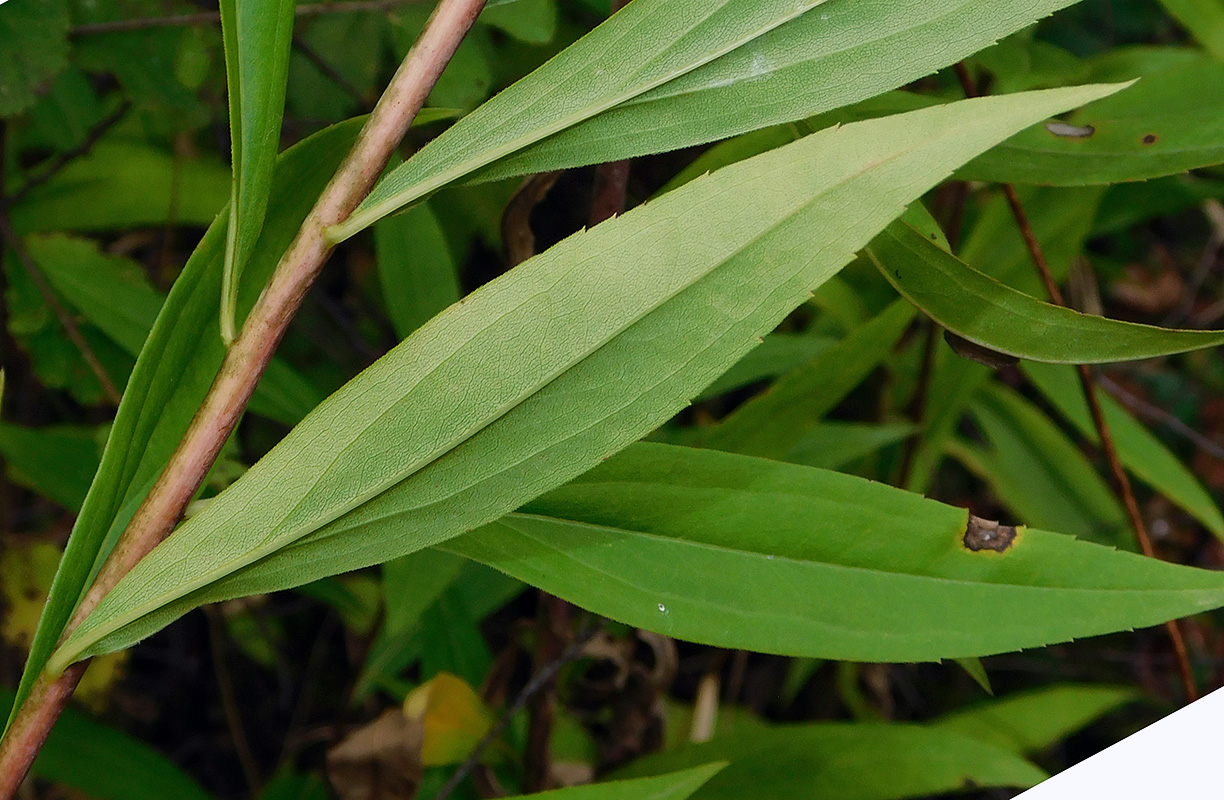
[104, 290]
[1141, 452]
[257, 37]
[540, 374]
[1204, 19]
[674, 786]
[415, 268]
[1036, 470]
[758, 555]
[1034, 721]
[996, 316]
[1157, 127]
[846, 761]
[714, 68]
[773, 423]
[176, 366]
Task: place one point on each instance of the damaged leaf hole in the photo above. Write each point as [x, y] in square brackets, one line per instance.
[985, 534]
[1068, 131]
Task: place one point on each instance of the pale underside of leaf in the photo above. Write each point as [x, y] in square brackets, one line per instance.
[537, 376]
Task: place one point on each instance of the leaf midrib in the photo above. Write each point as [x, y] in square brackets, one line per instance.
[259, 553]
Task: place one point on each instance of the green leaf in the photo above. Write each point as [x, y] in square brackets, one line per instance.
[1155, 128]
[1038, 472]
[832, 445]
[1033, 721]
[57, 462]
[529, 21]
[954, 384]
[744, 553]
[176, 366]
[664, 74]
[989, 313]
[674, 786]
[1204, 19]
[257, 41]
[124, 184]
[777, 353]
[847, 761]
[477, 589]
[107, 764]
[1140, 451]
[113, 293]
[33, 48]
[540, 374]
[773, 423]
[415, 268]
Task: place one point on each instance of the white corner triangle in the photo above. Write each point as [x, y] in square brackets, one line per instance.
[1177, 757]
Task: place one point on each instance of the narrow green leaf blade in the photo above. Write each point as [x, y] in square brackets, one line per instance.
[1038, 472]
[984, 311]
[674, 786]
[712, 70]
[257, 43]
[543, 372]
[773, 423]
[415, 268]
[1140, 451]
[739, 552]
[1156, 128]
[1030, 722]
[847, 761]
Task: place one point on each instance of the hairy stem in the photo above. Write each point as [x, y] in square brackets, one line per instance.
[247, 358]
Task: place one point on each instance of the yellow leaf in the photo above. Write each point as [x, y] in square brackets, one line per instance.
[453, 716]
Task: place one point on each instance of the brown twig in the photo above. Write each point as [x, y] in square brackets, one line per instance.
[552, 630]
[247, 358]
[1121, 480]
[1155, 413]
[65, 319]
[68, 156]
[214, 17]
[229, 703]
[538, 682]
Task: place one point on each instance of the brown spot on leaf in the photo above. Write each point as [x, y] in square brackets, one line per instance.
[984, 534]
[1150, 138]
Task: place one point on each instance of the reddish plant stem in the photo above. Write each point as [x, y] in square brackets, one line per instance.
[552, 635]
[1122, 484]
[247, 358]
[612, 178]
[1121, 480]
